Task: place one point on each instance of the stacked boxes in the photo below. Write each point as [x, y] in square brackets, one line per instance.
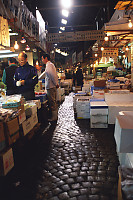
[62, 94]
[98, 114]
[83, 108]
[6, 162]
[76, 96]
[124, 133]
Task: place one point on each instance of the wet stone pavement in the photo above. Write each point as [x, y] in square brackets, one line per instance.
[67, 161]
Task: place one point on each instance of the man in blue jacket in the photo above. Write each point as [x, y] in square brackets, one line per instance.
[25, 77]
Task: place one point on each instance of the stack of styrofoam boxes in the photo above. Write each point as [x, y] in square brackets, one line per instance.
[77, 95]
[117, 103]
[83, 107]
[58, 95]
[62, 94]
[86, 88]
[124, 137]
[98, 114]
[98, 94]
[113, 84]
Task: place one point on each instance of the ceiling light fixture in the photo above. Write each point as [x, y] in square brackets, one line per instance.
[27, 48]
[64, 21]
[66, 4]
[23, 40]
[16, 46]
[102, 48]
[106, 38]
[62, 28]
[130, 23]
[127, 48]
[65, 13]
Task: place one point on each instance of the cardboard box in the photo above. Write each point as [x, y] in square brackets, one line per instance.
[2, 137]
[99, 83]
[12, 130]
[31, 109]
[27, 126]
[11, 105]
[6, 162]
[124, 134]
[34, 119]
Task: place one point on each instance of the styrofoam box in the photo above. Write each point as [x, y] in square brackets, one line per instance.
[82, 115]
[118, 98]
[99, 118]
[126, 159]
[98, 108]
[124, 134]
[79, 97]
[98, 125]
[119, 91]
[115, 108]
[98, 94]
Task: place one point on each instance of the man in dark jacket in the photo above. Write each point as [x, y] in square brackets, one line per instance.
[8, 75]
[79, 77]
[25, 77]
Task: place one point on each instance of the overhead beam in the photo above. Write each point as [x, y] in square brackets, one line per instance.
[76, 6]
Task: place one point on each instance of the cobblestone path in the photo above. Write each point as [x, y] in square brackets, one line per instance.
[70, 162]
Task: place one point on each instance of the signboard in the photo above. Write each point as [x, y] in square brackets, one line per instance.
[4, 32]
[110, 52]
[75, 36]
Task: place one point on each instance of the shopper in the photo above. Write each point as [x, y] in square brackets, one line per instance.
[25, 77]
[51, 84]
[8, 77]
[79, 77]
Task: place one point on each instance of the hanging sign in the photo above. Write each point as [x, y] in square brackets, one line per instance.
[75, 36]
[110, 52]
[4, 32]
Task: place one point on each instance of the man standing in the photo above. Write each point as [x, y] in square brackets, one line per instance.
[25, 77]
[8, 75]
[51, 84]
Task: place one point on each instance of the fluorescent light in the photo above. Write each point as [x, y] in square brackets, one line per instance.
[66, 4]
[65, 12]
[5, 51]
[9, 55]
[62, 28]
[13, 34]
[64, 21]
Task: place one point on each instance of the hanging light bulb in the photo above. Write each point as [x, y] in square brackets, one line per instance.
[127, 48]
[102, 48]
[130, 23]
[23, 40]
[16, 46]
[106, 38]
[96, 55]
[27, 48]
